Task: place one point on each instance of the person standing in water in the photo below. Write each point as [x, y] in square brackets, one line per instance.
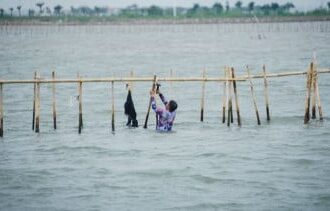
[165, 116]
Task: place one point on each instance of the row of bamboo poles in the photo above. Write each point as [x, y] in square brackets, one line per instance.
[229, 89]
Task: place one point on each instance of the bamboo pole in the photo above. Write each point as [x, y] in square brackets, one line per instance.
[308, 93]
[171, 83]
[112, 107]
[1, 110]
[229, 96]
[203, 97]
[34, 101]
[266, 92]
[224, 98]
[54, 102]
[319, 104]
[236, 98]
[80, 124]
[150, 101]
[253, 96]
[313, 92]
[165, 79]
[37, 121]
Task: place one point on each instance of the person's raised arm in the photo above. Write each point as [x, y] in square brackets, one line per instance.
[162, 97]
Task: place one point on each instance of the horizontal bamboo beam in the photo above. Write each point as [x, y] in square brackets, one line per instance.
[148, 79]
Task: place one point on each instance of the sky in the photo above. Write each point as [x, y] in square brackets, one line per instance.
[300, 4]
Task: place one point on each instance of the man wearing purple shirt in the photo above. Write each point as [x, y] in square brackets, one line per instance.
[165, 117]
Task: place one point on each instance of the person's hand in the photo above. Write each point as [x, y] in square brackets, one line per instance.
[152, 93]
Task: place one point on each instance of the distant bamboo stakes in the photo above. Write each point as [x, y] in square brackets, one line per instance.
[229, 96]
[224, 98]
[150, 101]
[1, 110]
[80, 123]
[37, 121]
[266, 92]
[113, 107]
[308, 93]
[54, 101]
[236, 98]
[34, 101]
[203, 97]
[253, 96]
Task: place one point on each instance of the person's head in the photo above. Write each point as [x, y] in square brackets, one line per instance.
[171, 106]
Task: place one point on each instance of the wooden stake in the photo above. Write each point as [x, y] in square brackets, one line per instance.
[171, 83]
[34, 101]
[316, 87]
[54, 101]
[236, 98]
[229, 97]
[313, 92]
[266, 92]
[112, 107]
[1, 110]
[203, 97]
[224, 98]
[253, 96]
[308, 93]
[150, 101]
[37, 129]
[80, 124]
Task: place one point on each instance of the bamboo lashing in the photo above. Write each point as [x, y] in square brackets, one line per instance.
[150, 101]
[253, 96]
[266, 92]
[203, 97]
[54, 102]
[236, 98]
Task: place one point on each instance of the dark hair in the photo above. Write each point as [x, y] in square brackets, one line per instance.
[172, 105]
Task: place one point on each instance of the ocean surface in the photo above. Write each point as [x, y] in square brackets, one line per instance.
[280, 165]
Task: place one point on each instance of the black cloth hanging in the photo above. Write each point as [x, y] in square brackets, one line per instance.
[130, 111]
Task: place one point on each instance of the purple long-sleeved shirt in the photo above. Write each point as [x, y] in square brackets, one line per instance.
[165, 118]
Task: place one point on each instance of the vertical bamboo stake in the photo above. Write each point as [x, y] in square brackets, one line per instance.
[230, 108]
[54, 101]
[313, 90]
[80, 124]
[34, 101]
[171, 83]
[266, 92]
[37, 129]
[131, 83]
[316, 87]
[203, 97]
[308, 93]
[150, 101]
[1, 110]
[236, 98]
[253, 96]
[224, 98]
[112, 107]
